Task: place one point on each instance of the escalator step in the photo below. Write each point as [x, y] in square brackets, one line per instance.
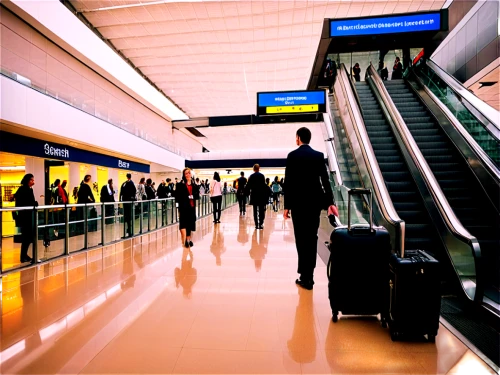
[413, 120]
[408, 95]
[408, 206]
[377, 128]
[412, 216]
[375, 122]
[401, 186]
[440, 159]
[379, 140]
[461, 202]
[399, 166]
[396, 176]
[448, 175]
[424, 132]
[403, 196]
[435, 151]
[428, 138]
[420, 125]
[417, 243]
[436, 166]
[410, 113]
[374, 117]
[395, 91]
[415, 229]
[388, 152]
[380, 133]
[388, 159]
[433, 145]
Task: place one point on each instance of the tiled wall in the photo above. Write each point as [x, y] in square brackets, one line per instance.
[53, 71]
[474, 46]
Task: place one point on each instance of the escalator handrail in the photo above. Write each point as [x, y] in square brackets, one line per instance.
[329, 130]
[380, 189]
[441, 202]
[482, 155]
[483, 109]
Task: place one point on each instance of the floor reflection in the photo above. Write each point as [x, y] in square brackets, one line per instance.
[186, 275]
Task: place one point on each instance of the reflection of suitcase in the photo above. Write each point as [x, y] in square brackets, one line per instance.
[358, 267]
[415, 300]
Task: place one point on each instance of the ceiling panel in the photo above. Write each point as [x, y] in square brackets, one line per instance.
[211, 57]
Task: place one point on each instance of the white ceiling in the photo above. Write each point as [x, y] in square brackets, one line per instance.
[212, 57]
[248, 137]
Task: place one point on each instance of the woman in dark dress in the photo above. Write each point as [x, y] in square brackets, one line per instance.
[186, 193]
[24, 219]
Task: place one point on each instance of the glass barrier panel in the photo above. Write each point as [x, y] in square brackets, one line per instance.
[454, 103]
[126, 214]
[169, 212]
[137, 217]
[152, 214]
[94, 225]
[359, 208]
[113, 222]
[76, 228]
[145, 216]
[17, 234]
[51, 232]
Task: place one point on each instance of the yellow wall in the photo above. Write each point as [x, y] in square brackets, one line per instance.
[61, 173]
[102, 177]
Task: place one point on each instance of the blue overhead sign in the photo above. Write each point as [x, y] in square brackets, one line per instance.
[405, 23]
[276, 103]
[19, 144]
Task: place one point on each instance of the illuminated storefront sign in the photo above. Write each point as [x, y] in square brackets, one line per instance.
[405, 23]
[291, 102]
[18, 144]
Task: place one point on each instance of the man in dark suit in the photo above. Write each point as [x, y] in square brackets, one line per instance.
[240, 193]
[259, 196]
[307, 191]
[127, 194]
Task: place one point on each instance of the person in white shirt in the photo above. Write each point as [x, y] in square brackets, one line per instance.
[216, 197]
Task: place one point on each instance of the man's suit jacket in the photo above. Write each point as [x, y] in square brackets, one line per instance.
[105, 196]
[257, 189]
[306, 180]
[127, 191]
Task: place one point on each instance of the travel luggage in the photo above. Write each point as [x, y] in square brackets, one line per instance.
[415, 298]
[358, 270]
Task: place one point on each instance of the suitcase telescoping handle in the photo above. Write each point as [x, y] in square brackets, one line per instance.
[358, 191]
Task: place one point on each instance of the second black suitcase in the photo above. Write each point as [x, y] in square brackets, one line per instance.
[415, 301]
[358, 270]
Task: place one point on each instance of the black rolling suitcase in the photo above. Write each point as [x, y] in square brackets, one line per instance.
[415, 298]
[358, 271]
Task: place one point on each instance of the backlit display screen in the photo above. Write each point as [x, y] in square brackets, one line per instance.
[276, 103]
[405, 23]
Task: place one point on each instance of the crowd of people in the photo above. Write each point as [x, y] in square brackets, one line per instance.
[303, 164]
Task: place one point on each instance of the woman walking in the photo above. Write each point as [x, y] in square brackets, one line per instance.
[216, 197]
[186, 193]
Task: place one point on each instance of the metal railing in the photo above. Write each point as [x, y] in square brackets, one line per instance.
[62, 230]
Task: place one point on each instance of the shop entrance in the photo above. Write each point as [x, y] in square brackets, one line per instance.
[54, 170]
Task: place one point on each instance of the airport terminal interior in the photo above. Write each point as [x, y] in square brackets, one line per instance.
[401, 98]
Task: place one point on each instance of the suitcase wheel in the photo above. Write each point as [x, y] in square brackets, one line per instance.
[335, 317]
[431, 338]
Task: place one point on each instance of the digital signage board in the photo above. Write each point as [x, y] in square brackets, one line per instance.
[291, 102]
[403, 23]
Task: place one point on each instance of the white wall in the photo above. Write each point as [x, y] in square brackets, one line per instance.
[27, 107]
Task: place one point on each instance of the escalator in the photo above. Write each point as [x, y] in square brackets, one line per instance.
[420, 233]
[457, 181]
[460, 186]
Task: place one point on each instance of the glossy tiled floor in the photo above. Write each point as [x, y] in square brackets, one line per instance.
[228, 306]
